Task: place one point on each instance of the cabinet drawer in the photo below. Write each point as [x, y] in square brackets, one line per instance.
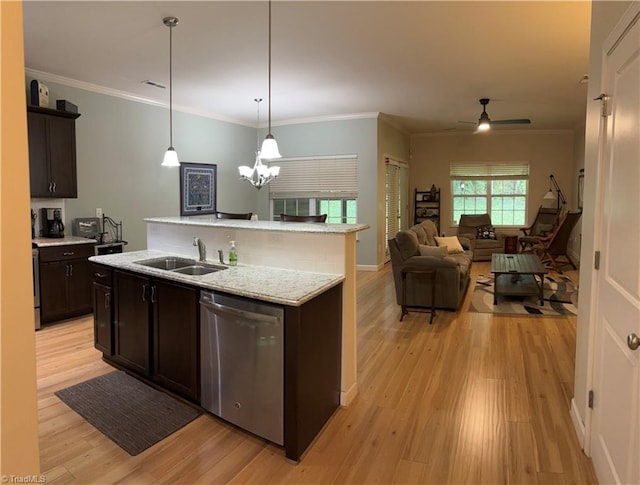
[70, 251]
[101, 274]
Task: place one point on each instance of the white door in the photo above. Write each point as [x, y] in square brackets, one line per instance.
[615, 434]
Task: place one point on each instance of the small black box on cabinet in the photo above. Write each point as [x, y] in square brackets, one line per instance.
[64, 105]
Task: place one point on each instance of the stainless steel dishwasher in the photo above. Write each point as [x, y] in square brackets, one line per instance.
[242, 363]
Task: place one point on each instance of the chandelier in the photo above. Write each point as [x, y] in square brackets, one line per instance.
[260, 174]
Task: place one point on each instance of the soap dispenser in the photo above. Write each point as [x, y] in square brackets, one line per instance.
[233, 254]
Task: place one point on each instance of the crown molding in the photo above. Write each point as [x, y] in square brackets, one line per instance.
[95, 88]
[496, 133]
[321, 119]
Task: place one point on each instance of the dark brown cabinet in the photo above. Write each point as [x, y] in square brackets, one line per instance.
[52, 152]
[156, 325]
[131, 322]
[176, 363]
[102, 309]
[65, 282]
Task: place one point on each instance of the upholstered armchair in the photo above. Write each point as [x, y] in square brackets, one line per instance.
[484, 241]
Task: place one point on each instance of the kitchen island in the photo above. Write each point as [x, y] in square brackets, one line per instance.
[165, 328]
[312, 247]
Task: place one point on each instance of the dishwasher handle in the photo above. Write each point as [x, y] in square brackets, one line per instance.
[236, 312]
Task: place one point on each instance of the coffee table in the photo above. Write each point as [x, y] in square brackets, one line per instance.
[517, 274]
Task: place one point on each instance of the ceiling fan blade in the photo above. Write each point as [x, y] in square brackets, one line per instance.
[520, 121]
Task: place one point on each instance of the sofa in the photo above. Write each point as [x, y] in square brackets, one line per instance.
[453, 271]
[470, 227]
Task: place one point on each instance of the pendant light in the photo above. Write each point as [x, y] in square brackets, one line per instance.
[260, 174]
[170, 156]
[269, 145]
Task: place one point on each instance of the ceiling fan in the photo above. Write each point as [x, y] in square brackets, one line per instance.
[484, 122]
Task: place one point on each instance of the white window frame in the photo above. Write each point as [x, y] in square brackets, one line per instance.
[314, 179]
[489, 172]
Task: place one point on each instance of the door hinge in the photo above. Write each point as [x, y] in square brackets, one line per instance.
[596, 260]
[591, 399]
[604, 104]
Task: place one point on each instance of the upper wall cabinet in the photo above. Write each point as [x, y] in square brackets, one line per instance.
[52, 152]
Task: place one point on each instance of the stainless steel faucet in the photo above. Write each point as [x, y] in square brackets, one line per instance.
[202, 249]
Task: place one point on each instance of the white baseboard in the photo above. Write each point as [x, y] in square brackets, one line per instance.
[577, 423]
[347, 397]
[369, 267]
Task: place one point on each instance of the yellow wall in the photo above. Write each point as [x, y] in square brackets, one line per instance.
[547, 153]
[19, 452]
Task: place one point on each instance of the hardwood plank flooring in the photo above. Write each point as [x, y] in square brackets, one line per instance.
[473, 398]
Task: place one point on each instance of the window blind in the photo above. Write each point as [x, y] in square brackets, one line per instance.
[319, 177]
[488, 170]
[392, 209]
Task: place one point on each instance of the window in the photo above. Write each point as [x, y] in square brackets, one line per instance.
[317, 185]
[339, 211]
[396, 198]
[497, 189]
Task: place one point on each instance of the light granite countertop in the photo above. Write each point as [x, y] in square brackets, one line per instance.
[283, 286]
[43, 242]
[318, 228]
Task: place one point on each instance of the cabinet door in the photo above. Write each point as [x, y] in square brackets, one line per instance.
[131, 321]
[38, 155]
[102, 329]
[62, 157]
[53, 291]
[175, 338]
[79, 287]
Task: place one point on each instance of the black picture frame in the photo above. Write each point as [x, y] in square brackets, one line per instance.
[198, 189]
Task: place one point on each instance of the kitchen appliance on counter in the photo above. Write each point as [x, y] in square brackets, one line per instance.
[91, 228]
[242, 363]
[52, 225]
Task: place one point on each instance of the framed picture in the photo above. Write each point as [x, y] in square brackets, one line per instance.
[426, 197]
[197, 189]
[581, 189]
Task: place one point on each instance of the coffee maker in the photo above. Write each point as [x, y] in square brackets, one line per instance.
[52, 225]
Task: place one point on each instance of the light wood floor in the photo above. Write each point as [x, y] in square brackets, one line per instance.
[470, 399]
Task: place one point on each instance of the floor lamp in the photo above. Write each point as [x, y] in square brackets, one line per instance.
[558, 196]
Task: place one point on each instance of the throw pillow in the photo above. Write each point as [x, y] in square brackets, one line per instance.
[452, 243]
[485, 232]
[436, 251]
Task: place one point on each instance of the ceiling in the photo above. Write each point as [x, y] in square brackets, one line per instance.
[425, 64]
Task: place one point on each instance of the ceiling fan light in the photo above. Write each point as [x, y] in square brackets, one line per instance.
[269, 148]
[484, 125]
[170, 158]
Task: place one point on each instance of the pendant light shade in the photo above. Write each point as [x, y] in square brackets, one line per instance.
[269, 148]
[170, 156]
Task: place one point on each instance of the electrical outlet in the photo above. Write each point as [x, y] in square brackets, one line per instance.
[99, 213]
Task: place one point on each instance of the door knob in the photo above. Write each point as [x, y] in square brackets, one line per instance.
[633, 341]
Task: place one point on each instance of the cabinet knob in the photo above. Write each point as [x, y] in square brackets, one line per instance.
[50, 187]
[99, 275]
[54, 186]
[69, 253]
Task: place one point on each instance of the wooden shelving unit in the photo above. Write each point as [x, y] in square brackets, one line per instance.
[427, 206]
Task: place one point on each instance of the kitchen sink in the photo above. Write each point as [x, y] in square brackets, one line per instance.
[198, 269]
[169, 263]
[186, 266]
